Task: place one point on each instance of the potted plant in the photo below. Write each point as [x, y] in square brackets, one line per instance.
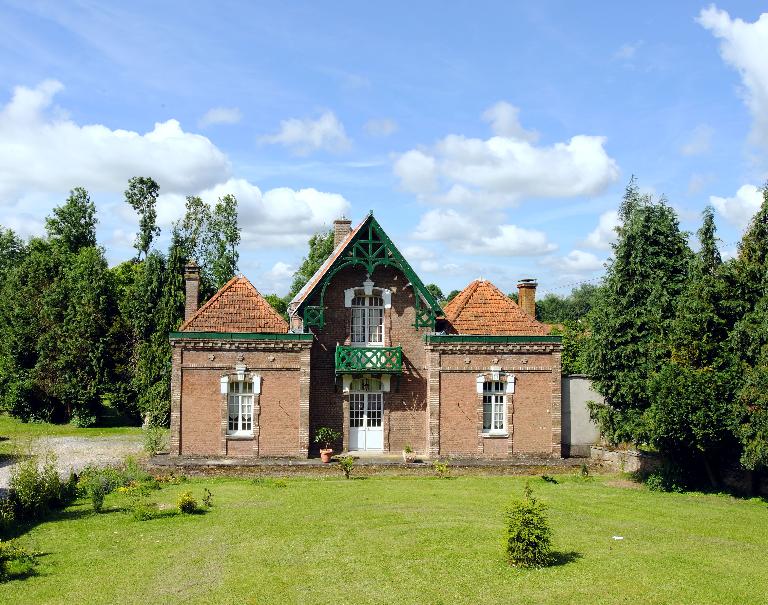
[408, 454]
[326, 436]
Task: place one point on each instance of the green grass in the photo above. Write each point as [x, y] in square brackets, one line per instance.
[401, 540]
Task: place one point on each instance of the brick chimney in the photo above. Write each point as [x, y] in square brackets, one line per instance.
[341, 228]
[526, 296]
[192, 285]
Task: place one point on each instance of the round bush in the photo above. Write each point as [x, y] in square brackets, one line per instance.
[187, 503]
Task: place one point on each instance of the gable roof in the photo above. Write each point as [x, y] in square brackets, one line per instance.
[344, 253]
[481, 308]
[237, 307]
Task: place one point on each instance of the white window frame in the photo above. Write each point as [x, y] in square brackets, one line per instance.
[367, 309]
[243, 392]
[498, 395]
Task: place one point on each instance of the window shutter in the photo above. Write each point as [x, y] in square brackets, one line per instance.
[256, 384]
[349, 294]
[224, 385]
[510, 384]
[480, 383]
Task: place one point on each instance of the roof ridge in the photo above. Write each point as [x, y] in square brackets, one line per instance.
[213, 299]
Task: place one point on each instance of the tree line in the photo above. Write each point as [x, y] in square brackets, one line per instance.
[79, 339]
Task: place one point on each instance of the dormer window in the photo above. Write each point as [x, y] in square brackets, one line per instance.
[367, 320]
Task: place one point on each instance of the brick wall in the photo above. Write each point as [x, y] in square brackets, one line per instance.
[533, 411]
[405, 405]
[199, 416]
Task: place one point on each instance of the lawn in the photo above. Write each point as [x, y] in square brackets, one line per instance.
[389, 539]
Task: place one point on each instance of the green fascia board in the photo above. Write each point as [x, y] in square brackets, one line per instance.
[405, 267]
[240, 336]
[476, 338]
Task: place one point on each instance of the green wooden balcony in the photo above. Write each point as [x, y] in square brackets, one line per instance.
[379, 360]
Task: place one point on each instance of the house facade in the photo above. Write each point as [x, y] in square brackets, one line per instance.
[369, 352]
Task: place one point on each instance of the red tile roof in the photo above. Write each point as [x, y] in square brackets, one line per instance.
[237, 307]
[481, 308]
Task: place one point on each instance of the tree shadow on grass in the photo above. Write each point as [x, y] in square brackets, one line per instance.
[563, 557]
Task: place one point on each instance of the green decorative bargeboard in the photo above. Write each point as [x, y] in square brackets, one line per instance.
[379, 360]
[369, 249]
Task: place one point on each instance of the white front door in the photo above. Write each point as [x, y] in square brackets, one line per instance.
[366, 426]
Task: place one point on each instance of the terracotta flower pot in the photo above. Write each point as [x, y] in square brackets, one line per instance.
[325, 455]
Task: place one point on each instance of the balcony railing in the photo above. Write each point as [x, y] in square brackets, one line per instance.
[383, 360]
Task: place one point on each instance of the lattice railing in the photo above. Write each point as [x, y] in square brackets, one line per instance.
[314, 316]
[385, 360]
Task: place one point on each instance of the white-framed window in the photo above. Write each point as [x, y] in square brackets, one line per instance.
[494, 407]
[240, 408]
[367, 320]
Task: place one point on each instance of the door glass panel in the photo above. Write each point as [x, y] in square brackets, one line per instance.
[356, 410]
[374, 410]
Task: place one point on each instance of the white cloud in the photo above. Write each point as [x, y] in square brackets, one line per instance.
[304, 136]
[282, 216]
[605, 233]
[220, 115]
[504, 121]
[380, 127]
[417, 171]
[502, 169]
[578, 261]
[481, 237]
[699, 142]
[744, 46]
[281, 270]
[740, 208]
[41, 150]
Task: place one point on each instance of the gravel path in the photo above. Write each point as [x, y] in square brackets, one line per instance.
[74, 453]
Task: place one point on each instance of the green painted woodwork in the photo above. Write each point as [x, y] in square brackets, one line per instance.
[239, 336]
[383, 360]
[371, 248]
[474, 338]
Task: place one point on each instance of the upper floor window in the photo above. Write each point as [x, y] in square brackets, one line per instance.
[367, 320]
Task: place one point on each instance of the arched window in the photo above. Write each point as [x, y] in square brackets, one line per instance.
[367, 320]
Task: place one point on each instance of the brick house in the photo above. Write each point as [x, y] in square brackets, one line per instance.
[371, 353]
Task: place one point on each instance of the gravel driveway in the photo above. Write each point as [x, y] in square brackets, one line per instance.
[74, 453]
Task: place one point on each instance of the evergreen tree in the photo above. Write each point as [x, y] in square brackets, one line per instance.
[633, 313]
[142, 196]
[691, 416]
[320, 248]
[73, 224]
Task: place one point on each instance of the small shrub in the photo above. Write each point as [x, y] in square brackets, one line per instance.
[186, 503]
[97, 489]
[346, 464]
[528, 533]
[37, 489]
[207, 498]
[326, 436]
[666, 478]
[155, 440]
[7, 514]
[584, 471]
[14, 560]
[408, 449]
[442, 469]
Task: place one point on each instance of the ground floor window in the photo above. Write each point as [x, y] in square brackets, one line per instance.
[494, 408]
[240, 408]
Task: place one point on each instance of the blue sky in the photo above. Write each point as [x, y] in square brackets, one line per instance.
[492, 140]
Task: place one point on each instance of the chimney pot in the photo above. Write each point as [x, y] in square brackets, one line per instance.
[192, 286]
[341, 228]
[526, 296]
